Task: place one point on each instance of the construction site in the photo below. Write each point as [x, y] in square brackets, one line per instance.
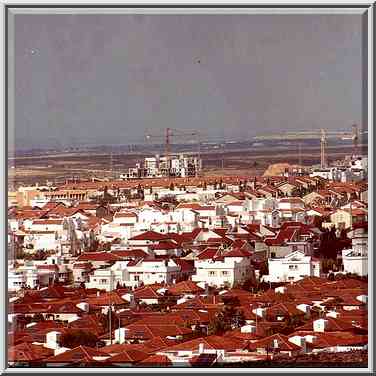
[190, 156]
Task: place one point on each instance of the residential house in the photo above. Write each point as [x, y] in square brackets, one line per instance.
[345, 218]
[355, 259]
[292, 267]
[221, 268]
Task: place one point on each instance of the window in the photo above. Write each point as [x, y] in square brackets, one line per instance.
[225, 272]
[103, 281]
[211, 273]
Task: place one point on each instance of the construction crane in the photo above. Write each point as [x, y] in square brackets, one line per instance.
[355, 139]
[301, 135]
[173, 133]
[323, 143]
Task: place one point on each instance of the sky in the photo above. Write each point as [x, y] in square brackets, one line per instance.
[109, 79]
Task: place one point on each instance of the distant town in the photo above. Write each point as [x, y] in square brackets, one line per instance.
[165, 265]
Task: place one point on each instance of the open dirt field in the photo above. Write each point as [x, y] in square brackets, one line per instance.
[59, 167]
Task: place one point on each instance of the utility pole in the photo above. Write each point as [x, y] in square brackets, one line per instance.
[110, 307]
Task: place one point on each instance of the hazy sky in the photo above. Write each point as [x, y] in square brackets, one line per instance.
[108, 78]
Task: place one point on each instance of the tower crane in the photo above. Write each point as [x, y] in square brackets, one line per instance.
[355, 139]
[173, 133]
[322, 148]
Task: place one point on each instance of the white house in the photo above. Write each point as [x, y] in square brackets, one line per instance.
[355, 259]
[17, 279]
[47, 225]
[256, 204]
[292, 267]
[153, 271]
[47, 240]
[116, 230]
[126, 217]
[103, 279]
[222, 270]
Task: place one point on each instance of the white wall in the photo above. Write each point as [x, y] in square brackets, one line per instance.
[219, 273]
[291, 268]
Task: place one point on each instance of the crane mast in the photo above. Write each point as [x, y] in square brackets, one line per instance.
[168, 135]
[322, 149]
[355, 139]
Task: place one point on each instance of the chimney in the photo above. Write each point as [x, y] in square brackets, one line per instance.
[275, 343]
[132, 301]
[52, 339]
[201, 348]
[206, 289]
[248, 329]
[84, 306]
[320, 325]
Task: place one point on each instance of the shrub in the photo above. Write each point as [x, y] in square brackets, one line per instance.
[76, 338]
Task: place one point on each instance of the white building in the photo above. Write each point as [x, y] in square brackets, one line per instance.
[153, 271]
[355, 259]
[292, 268]
[47, 240]
[134, 273]
[176, 165]
[221, 271]
[103, 279]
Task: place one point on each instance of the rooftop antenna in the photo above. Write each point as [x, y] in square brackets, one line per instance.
[323, 143]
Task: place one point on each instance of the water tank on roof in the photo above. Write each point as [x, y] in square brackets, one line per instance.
[84, 306]
[248, 329]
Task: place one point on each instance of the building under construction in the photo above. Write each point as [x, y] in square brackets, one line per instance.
[179, 165]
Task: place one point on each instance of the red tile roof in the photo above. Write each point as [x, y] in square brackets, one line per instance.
[269, 343]
[27, 352]
[156, 361]
[78, 354]
[211, 342]
[165, 245]
[145, 332]
[128, 356]
[130, 254]
[106, 298]
[150, 235]
[99, 256]
[185, 287]
[185, 265]
[147, 292]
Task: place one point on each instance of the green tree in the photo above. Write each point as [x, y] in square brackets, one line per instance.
[264, 268]
[79, 337]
